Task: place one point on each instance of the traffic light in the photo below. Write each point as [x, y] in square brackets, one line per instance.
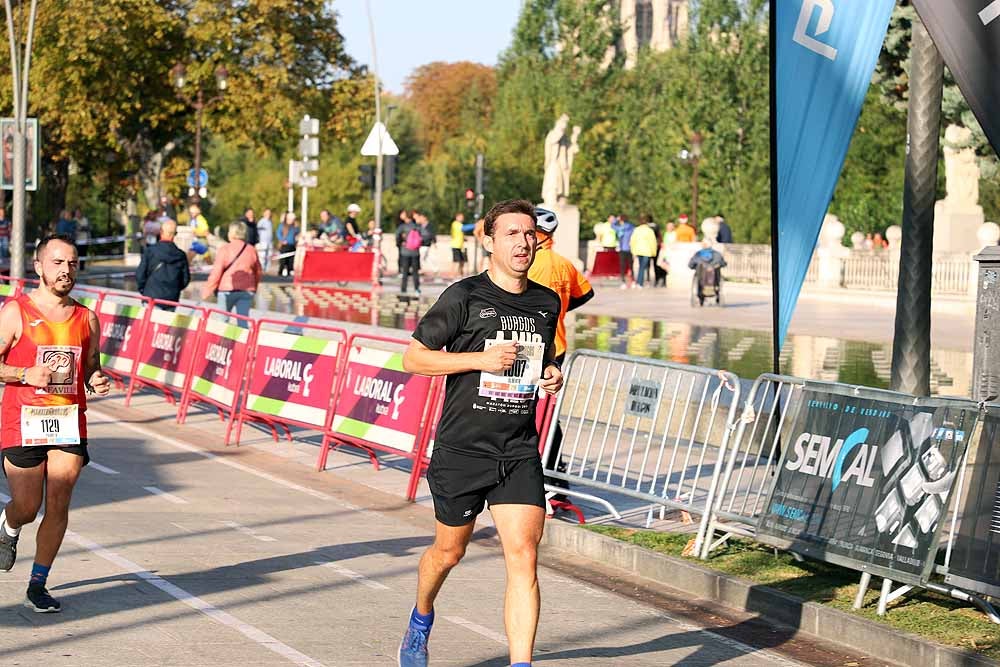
[388, 171]
[470, 198]
[367, 177]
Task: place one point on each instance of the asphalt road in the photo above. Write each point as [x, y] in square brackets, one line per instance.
[181, 552]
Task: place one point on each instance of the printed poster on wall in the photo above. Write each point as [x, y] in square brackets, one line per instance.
[865, 483]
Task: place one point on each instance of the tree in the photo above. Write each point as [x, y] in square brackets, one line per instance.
[451, 99]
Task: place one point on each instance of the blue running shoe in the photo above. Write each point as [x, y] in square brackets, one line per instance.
[413, 649]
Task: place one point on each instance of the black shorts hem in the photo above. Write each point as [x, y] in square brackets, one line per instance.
[32, 457]
[462, 486]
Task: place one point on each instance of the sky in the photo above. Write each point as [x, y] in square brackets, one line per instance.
[410, 33]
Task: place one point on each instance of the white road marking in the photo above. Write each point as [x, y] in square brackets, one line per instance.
[196, 603]
[478, 629]
[250, 532]
[990, 13]
[351, 574]
[177, 500]
[157, 437]
[105, 469]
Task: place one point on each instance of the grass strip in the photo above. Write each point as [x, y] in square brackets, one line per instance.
[921, 613]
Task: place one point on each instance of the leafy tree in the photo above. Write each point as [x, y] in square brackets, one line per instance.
[451, 99]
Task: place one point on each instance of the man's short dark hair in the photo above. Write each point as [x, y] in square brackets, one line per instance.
[48, 239]
[507, 206]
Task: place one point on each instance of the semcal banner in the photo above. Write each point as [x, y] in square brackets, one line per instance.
[865, 483]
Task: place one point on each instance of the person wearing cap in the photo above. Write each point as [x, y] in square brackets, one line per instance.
[685, 232]
[351, 222]
[560, 275]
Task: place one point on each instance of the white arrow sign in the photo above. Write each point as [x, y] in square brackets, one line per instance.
[371, 143]
[990, 13]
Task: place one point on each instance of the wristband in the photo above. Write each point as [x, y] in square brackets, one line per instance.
[22, 375]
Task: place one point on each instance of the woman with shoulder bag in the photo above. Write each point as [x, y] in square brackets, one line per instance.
[235, 273]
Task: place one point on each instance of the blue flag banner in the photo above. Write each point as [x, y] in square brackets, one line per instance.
[826, 51]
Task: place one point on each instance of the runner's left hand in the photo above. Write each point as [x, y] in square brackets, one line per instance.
[552, 379]
[100, 383]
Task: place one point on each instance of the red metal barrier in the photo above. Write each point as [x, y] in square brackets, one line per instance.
[292, 377]
[166, 349]
[336, 265]
[379, 406]
[220, 364]
[121, 318]
[10, 288]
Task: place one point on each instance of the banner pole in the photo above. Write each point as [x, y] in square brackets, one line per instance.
[773, 91]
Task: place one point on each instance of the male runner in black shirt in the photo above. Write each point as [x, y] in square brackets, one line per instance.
[499, 331]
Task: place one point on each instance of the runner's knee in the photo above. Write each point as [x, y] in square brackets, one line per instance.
[448, 556]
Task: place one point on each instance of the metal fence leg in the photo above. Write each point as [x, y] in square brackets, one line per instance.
[866, 580]
[883, 598]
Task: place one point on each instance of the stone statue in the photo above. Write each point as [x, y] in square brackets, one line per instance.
[961, 169]
[557, 162]
[567, 163]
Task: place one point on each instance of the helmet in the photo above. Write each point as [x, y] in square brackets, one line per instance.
[353, 208]
[547, 221]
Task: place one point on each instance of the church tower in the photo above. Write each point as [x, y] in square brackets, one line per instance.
[653, 24]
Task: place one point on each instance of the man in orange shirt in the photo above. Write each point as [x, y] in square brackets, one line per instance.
[685, 232]
[49, 360]
[560, 275]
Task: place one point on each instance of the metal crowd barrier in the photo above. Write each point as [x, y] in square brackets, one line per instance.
[644, 429]
[751, 459]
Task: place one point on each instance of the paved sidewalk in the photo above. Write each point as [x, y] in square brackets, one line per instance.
[183, 552]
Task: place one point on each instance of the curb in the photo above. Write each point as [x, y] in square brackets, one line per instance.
[813, 619]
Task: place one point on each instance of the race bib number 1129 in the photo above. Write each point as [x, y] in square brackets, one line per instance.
[57, 426]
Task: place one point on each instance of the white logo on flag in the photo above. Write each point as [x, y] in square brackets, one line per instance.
[990, 13]
[822, 26]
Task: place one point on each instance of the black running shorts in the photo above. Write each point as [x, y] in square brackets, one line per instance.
[458, 255]
[31, 457]
[462, 485]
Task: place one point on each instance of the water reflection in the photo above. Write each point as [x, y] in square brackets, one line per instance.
[748, 353]
[744, 352]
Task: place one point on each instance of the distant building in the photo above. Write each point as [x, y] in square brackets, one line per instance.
[653, 24]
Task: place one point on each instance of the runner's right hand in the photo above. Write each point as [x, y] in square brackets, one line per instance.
[38, 376]
[499, 358]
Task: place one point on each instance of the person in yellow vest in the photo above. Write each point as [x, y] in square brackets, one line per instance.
[644, 246]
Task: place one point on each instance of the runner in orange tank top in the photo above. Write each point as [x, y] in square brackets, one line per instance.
[49, 359]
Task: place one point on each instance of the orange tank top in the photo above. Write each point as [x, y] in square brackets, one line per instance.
[59, 345]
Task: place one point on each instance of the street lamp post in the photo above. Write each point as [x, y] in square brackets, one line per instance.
[693, 158]
[179, 75]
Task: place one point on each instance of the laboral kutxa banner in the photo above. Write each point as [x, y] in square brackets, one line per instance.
[381, 402]
[293, 377]
[864, 480]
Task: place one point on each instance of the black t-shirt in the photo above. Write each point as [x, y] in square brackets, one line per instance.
[484, 415]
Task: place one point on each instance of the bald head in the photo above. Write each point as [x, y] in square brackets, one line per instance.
[168, 230]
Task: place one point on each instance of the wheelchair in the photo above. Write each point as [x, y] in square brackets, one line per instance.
[706, 285]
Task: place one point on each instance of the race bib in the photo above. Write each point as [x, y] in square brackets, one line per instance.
[57, 426]
[520, 382]
[62, 361]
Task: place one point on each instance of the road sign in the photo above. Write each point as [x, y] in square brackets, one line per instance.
[309, 146]
[202, 180]
[309, 181]
[310, 165]
[308, 125]
[371, 143]
[294, 169]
